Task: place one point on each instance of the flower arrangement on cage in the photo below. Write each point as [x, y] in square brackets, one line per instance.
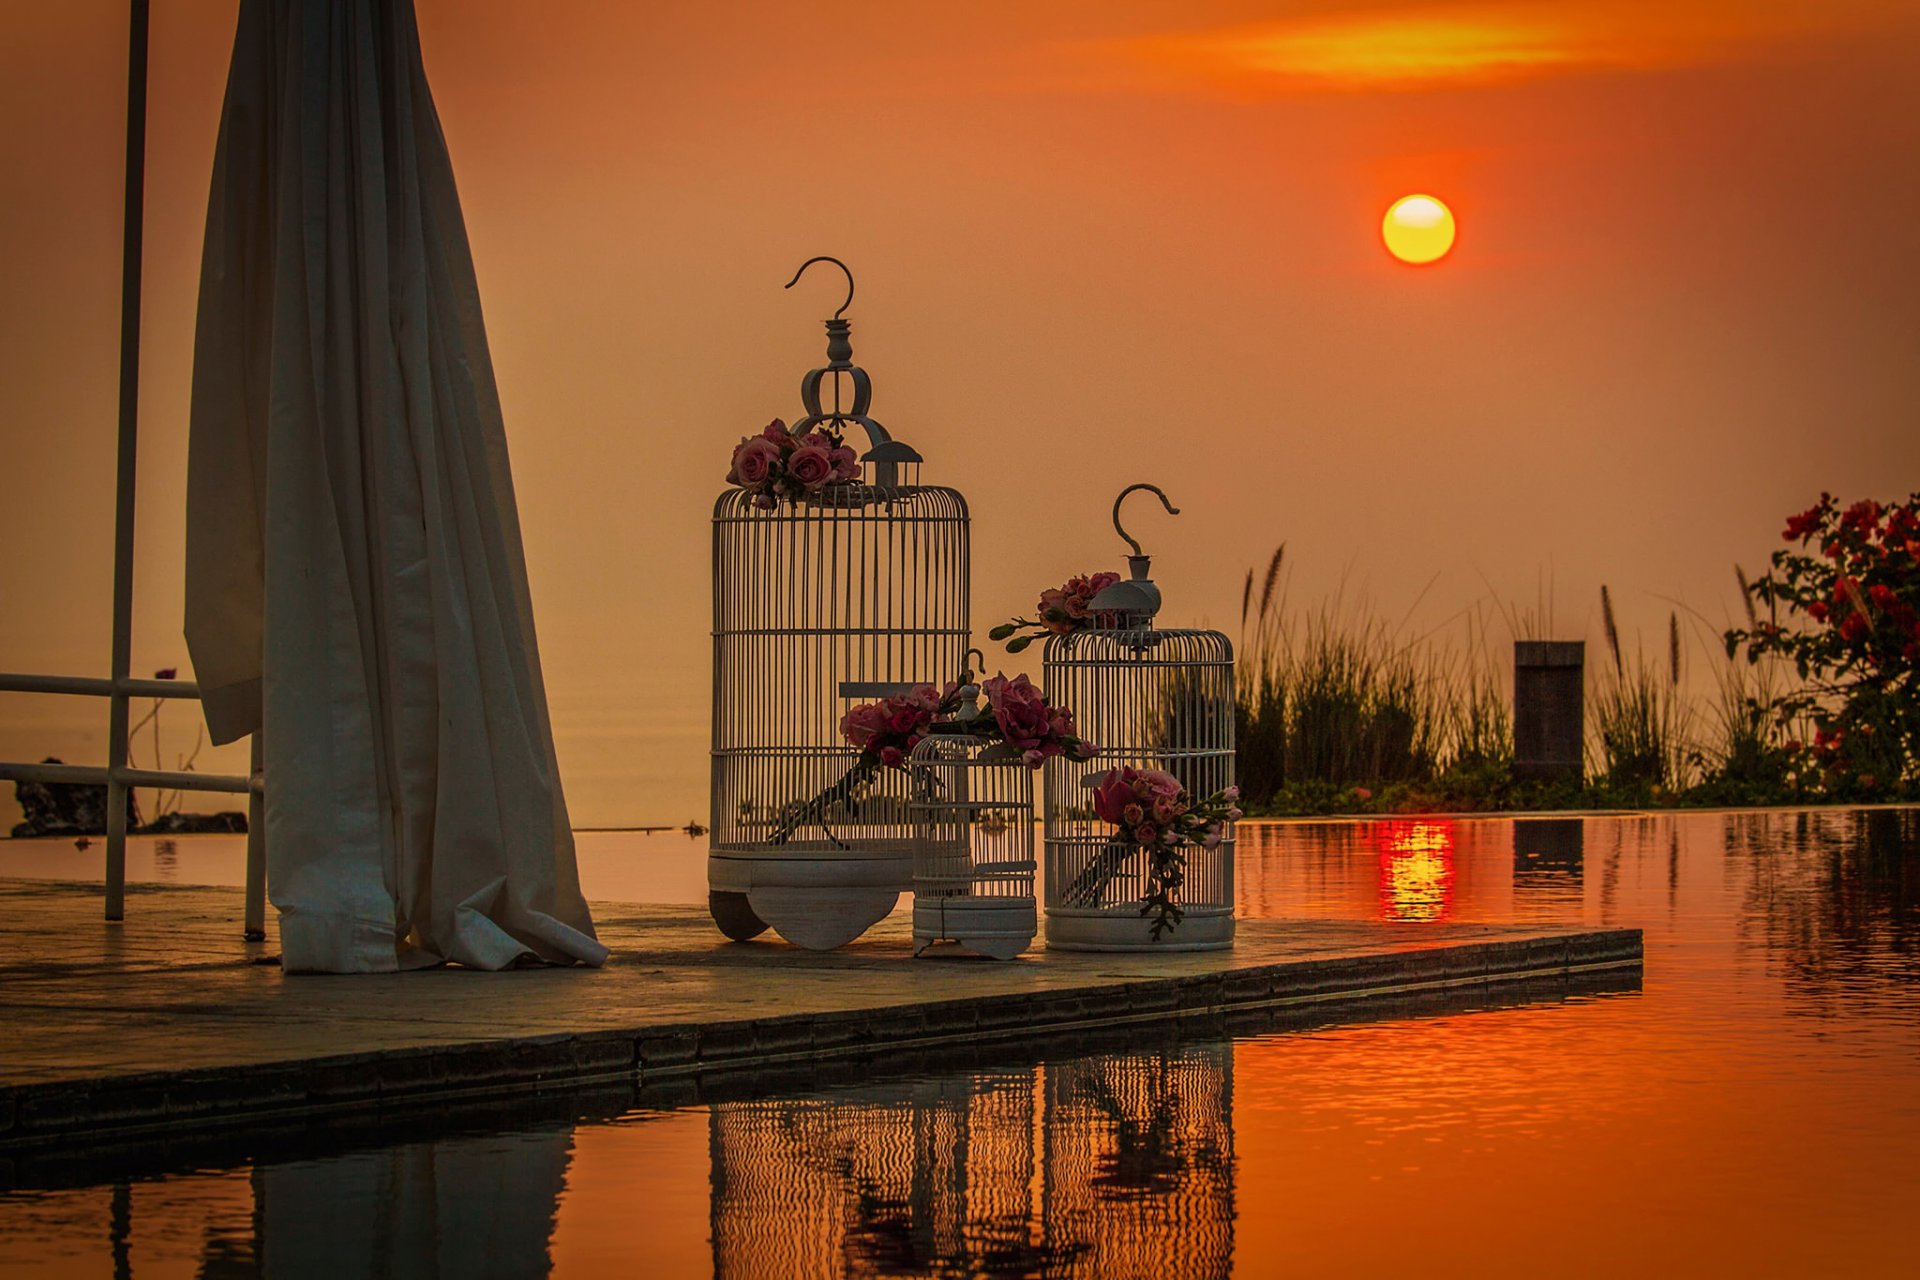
[1157, 815]
[1062, 610]
[777, 464]
[998, 709]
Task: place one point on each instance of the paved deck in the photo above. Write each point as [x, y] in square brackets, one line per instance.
[169, 1020]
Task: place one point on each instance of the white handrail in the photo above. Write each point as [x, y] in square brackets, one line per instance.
[96, 686]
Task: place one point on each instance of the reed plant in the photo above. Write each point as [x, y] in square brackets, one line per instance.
[1641, 723]
[1339, 697]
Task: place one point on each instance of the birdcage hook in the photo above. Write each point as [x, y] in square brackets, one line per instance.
[836, 262]
[1155, 490]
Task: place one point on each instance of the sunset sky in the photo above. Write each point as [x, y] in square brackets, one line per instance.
[1096, 243]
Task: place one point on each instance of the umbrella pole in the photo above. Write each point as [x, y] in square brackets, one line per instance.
[117, 760]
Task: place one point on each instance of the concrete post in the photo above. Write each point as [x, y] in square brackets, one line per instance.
[1549, 703]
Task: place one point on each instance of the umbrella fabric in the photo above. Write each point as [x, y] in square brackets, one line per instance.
[356, 587]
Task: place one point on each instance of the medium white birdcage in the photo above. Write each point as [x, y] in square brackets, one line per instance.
[1152, 699]
[856, 591]
[973, 864]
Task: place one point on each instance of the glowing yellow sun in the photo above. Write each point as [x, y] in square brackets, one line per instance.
[1418, 229]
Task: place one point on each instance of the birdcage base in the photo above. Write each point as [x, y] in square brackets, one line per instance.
[1203, 929]
[999, 927]
[734, 914]
[818, 898]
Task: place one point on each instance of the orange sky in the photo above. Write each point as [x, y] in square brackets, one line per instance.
[1096, 243]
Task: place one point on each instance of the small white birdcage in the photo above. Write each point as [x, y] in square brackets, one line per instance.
[852, 591]
[973, 864]
[1152, 699]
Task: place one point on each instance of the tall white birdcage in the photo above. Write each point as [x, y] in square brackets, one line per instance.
[823, 598]
[973, 864]
[1152, 699]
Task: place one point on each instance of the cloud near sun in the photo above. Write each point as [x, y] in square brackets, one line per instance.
[1421, 46]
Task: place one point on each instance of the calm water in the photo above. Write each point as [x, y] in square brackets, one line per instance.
[1753, 1108]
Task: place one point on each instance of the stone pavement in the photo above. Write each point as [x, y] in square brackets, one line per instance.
[170, 1020]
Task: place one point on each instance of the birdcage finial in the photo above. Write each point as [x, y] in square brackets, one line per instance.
[836, 262]
[1131, 603]
[885, 453]
[1155, 490]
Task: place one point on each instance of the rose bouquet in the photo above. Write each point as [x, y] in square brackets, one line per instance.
[1154, 813]
[1062, 609]
[1013, 711]
[777, 464]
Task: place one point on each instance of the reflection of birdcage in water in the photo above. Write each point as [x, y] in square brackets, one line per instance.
[1153, 699]
[973, 862]
[929, 1178]
[857, 592]
[1138, 1162]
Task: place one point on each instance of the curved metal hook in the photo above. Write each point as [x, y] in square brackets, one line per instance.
[1154, 489]
[836, 262]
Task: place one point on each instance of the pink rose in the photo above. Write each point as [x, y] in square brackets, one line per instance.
[1020, 710]
[893, 757]
[1033, 759]
[864, 724]
[1164, 810]
[776, 434]
[811, 465]
[1161, 783]
[904, 718]
[753, 461]
[1084, 750]
[1133, 815]
[1212, 840]
[1233, 793]
[1112, 796]
[1234, 815]
[846, 463]
[1146, 833]
[1054, 613]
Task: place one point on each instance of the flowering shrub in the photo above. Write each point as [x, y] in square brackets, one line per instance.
[1155, 813]
[998, 709]
[1850, 594]
[1062, 609]
[777, 464]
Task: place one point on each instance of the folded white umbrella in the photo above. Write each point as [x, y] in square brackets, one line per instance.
[356, 587]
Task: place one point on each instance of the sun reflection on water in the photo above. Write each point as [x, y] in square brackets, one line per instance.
[1416, 871]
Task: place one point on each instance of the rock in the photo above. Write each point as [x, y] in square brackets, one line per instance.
[190, 824]
[65, 808]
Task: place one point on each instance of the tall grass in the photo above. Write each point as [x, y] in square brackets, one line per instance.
[1640, 733]
[1338, 695]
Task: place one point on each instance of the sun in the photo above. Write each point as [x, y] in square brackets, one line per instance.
[1418, 229]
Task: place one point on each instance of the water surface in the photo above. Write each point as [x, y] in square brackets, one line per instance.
[1752, 1108]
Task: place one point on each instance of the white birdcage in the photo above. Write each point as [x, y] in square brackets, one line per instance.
[856, 592]
[973, 864]
[1152, 699]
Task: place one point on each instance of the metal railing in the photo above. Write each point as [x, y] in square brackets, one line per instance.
[120, 688]
[119, 779]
